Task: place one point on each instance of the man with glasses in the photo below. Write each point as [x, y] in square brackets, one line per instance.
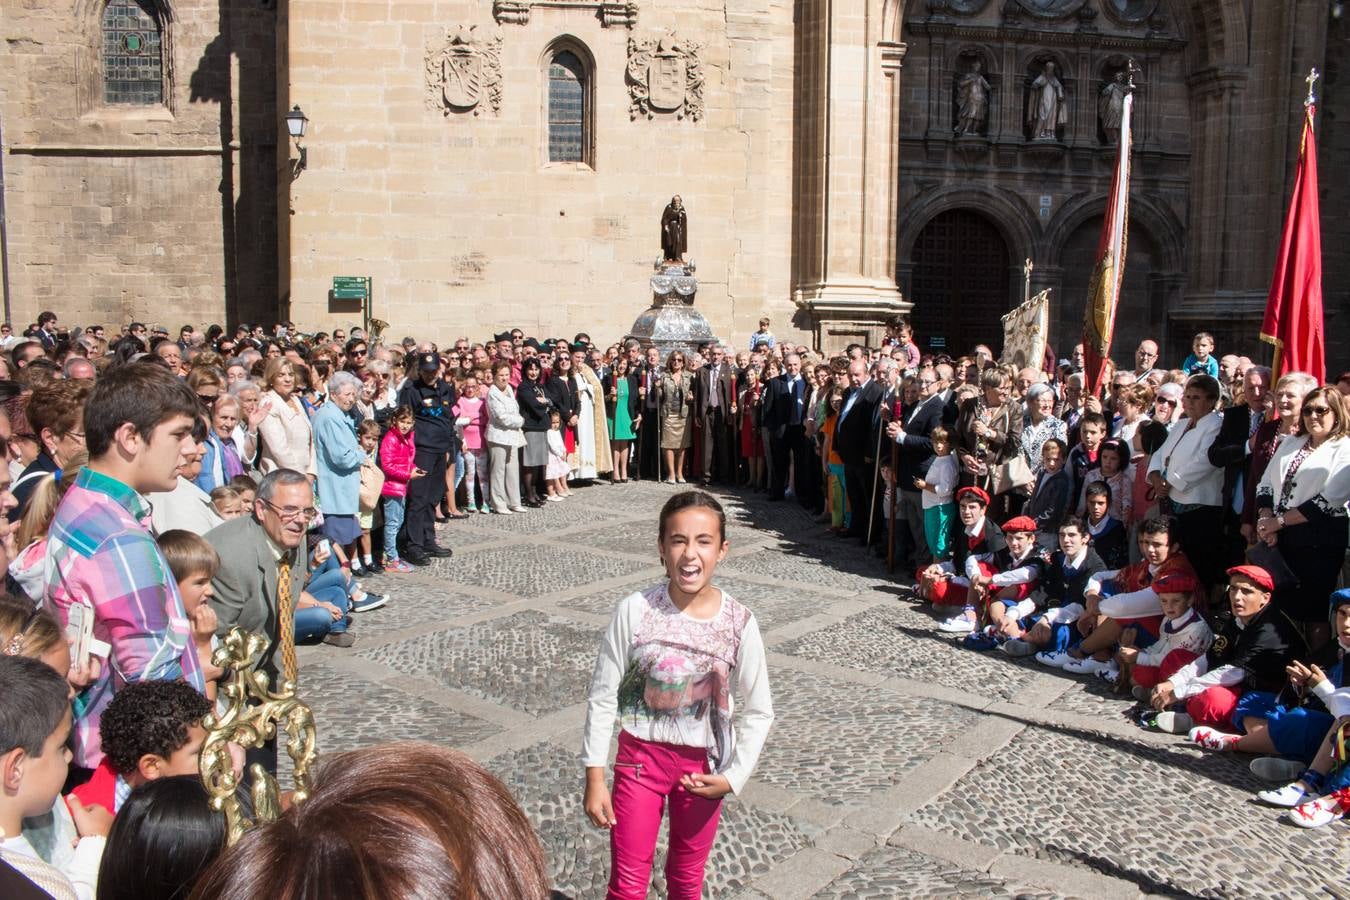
[911, 432]
[1145, 359]
[358, 354]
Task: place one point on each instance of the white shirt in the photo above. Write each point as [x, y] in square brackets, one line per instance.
[1183, 460]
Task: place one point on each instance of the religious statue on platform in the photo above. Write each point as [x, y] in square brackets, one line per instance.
[1046, 110]
[674, 231]
[1111, 106]
[972, 100]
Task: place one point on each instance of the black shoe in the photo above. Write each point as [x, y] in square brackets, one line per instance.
[416, 558]
[339, 638]
[375, 567]
[440, 552]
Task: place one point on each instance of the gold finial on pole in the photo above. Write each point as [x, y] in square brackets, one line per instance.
[1026, 279]
[1313, 75]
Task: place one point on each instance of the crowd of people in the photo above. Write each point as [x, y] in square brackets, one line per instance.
[1181, 532]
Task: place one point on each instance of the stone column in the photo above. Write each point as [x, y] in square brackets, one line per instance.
[845, 216]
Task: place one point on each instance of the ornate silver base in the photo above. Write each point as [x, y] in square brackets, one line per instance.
[672, 323]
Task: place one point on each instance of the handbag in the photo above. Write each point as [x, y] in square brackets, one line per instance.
[372, 483]
[1269, 558]
[1013, 474]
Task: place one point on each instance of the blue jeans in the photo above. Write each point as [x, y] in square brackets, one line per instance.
[393, 521]
[329, 585]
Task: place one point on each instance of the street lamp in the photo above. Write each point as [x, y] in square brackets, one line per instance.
[296, 123]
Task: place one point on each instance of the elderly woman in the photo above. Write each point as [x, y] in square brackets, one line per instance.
[287, 439]
[504, 435]
[1288, 422]
[988, 434]
[1132, 404]
[1301, 509]
[1182, 475]
[1039, 425]
[1166, 404]
[339, 457]
[252, 410]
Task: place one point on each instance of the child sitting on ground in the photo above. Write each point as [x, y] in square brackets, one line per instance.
[937, 486]
[1004, 583]
[1050, 500]
[1060, 594]
[1110, 537]
[947, 583]
[1183, 637]
[35, 723]
[150, 730]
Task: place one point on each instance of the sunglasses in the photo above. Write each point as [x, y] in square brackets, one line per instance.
[208, 399]
[1318, 411]
[361, 352]
[1167, 401]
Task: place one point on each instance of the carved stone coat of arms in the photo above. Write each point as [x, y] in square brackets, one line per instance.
[665, 75]
[464, 72]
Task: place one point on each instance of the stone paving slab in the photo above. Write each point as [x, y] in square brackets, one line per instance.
[548, 518]
[811, 564]
[529, 570]
[1171, 818]
[414, 602]
[896, 639]
[529, 660]
[890, 872]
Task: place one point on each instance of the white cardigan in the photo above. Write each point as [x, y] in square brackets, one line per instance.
[504, 419]
[287, 439]
[1185, 457]
[1323, 478]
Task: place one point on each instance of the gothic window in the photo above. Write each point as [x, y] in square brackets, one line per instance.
[568, 109]
[133, 58]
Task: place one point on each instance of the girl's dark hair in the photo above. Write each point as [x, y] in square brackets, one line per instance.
[1152, 435]
[1116, 446]
[394, 820]
[165, 835]
[693, 500]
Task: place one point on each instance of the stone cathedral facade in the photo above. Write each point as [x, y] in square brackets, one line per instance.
[505, 162]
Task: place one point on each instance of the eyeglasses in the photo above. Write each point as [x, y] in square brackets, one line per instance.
[208, 399]
[74, 435]
[360, 352]
[1167, 400]
[291, 513]
[1318, 411]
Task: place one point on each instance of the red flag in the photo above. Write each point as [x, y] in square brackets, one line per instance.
[1099, 316]
[1293, 320]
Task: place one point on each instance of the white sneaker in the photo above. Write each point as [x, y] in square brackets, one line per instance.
[1316, 813]
[1111, 673]
[1210, 739]
[1277, 770]
[1174, 722]
[1087, 666]
[1018, 647]
[555, 499]
[1289, 796]
[1054, 658]
[957, 625]
[502, 512]
[516, 509]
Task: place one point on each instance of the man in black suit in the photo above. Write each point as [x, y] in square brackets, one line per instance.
[784, 416]
[715, 411]
[1231, 450]
[856, 442]
[911, 433]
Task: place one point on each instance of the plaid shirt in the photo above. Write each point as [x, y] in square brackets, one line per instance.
[101, 552]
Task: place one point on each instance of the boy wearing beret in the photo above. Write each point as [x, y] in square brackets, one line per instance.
[1003, 584]
[1250, 653]
[947, 583]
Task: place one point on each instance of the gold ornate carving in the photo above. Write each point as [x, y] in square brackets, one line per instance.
[464, 72]
[665, 75]
[251, 716]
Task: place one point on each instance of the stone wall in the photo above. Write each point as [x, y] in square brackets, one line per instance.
[117, 213]
[464, 226]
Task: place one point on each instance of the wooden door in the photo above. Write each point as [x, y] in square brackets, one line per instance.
[960, 283]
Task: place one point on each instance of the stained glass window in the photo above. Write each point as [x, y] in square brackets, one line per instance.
[566, 109]
[133, 62]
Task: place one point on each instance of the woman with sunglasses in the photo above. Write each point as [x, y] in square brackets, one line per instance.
[675, 397]
[1301, 509]
[1287, 396]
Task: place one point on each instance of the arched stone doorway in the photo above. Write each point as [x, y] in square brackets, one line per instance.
[1138, 313]
[959, 284]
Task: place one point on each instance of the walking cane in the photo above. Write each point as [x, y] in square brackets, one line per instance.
[876, 475]
[895, 492]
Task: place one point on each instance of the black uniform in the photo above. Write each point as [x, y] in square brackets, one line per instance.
[434, 434]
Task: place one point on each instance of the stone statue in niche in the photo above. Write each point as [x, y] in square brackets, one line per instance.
[1046, 109]
[1111, 106]
[972, 100]
[674, 231]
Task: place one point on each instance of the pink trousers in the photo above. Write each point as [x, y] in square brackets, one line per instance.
[646, 777]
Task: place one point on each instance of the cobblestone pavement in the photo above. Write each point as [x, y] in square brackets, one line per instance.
[900, 764]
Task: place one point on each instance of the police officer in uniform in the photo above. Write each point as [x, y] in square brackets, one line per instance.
[431, 400]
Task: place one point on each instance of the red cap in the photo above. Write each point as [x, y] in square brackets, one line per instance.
[1019, 524]
[1255, 574]
[1176, 583]
[977, 493]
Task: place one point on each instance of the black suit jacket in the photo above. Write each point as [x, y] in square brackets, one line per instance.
[855, 436]
[779, 402]
[916, 448]
[1229, 450]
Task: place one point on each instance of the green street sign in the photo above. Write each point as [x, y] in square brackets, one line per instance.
[350, 287]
